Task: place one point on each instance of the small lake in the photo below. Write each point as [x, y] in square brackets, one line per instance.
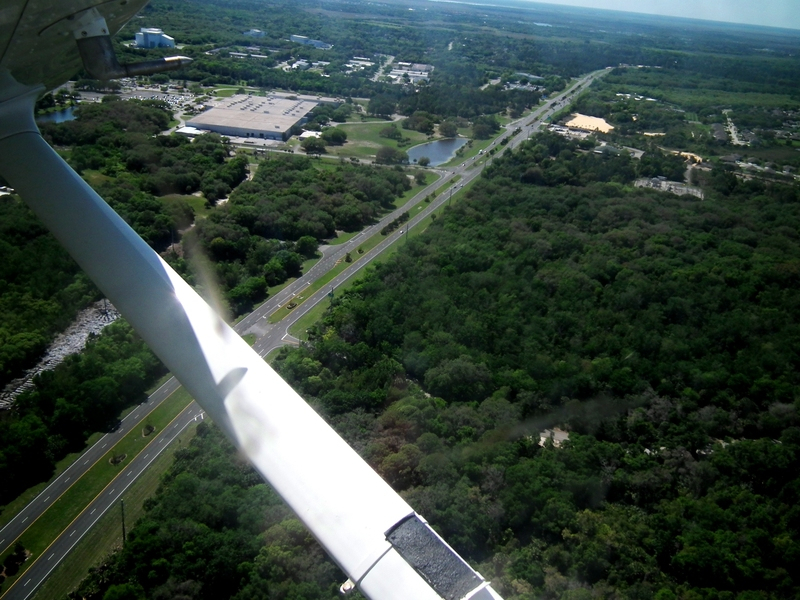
[59, 116]
[439, 151]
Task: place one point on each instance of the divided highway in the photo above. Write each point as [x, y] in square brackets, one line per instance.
[268, 338]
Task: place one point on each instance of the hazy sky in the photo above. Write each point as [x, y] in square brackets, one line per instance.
[774, 13]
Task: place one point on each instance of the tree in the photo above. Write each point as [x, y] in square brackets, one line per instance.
[381, 106]
[334, 136]
[448, 129]
[390, 156]
[307, 246]
[313, 145]
[423, 161]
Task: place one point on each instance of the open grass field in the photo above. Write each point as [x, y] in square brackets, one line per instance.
[363, 139]
[197, 203]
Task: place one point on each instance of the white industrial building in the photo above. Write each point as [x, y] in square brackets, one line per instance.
[306, 41]
[151, 37]
[264, 117]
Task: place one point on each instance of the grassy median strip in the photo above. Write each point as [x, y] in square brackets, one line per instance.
[47, 527]
[10, 510]
[307, 292]
[106, 535]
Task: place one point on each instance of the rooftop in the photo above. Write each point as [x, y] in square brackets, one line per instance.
[270, 113]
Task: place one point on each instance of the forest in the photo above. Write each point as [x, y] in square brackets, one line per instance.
[274, 222]
[661, 333]
[41, 288]
[82, 395]
[114, 146]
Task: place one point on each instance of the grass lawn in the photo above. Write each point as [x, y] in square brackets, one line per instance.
[106, 535]
[47, 527]
[197, 203]
[95, 178]
[363, 139]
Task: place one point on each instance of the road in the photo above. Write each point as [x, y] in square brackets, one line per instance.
[268, 338]
[26, 585]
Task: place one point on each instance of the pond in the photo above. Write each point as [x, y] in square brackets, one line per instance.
[438, 152]
[58, 116]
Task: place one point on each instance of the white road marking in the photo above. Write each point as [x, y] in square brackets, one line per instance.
[51, 556]
[73, 532]
[111, 492]
[46, 499]
[67, 479]
[146, 455]
[104, 445]
[25, 519]
[26, 583]
[94, 509]
[129, 473]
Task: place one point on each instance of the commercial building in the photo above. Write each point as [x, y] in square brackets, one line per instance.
[271, 117]
[151, 37]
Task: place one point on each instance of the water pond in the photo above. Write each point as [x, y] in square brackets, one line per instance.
[439, 152]
[58, 116]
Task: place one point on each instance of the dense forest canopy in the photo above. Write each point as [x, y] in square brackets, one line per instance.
[658, 333]
[41, 288]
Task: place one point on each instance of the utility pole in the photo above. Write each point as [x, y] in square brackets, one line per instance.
[122, 506]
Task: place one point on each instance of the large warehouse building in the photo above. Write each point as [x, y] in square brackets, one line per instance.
[270, 117]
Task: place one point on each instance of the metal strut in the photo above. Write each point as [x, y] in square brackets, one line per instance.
[97, 52]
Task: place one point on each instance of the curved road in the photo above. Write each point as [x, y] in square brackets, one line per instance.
[269, 337]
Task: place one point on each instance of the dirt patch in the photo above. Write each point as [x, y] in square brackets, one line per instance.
[580, 121]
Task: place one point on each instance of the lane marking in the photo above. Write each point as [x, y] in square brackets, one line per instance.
[51, 556]
[73, 532]
[94, 509]
[46, 499]
[25, 519]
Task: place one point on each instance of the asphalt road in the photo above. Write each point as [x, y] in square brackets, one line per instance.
[268, 338]
[26, 585]
[28, 515]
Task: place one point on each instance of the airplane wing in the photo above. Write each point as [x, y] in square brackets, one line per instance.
[387, 550]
